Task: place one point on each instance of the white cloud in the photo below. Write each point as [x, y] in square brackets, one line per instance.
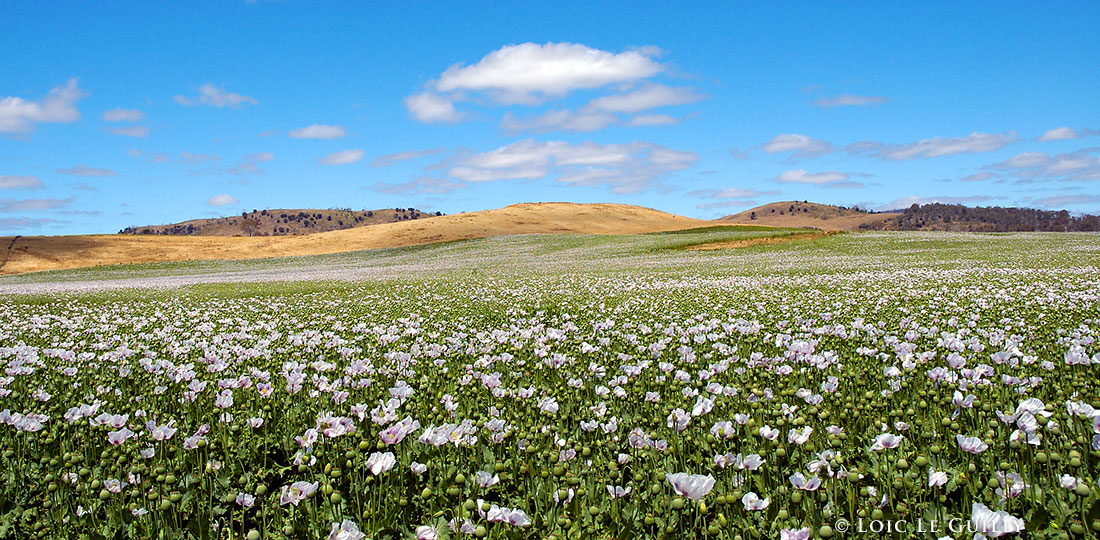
[800, 176]
[262, 156]
[318, 131]
[249, 165]
[342, 157]
[82, 170]
[529, 73]
[222, 199]
[424, 184]
[977, 177]
[559, 120]
[18, 115]
[27, 223]
[1058, 134]
[649, 96]
[33, 205]
[937, 146]
[625, 168]
[652, 120]
[19, 182]
[906, 202]
[193, 159]
[849, 100]
[804, 147]
[432, 108]
[131, 131]
[1082, 164]
[215, 97]
[728, 197]
[123, 115]
[390, 159]
[1062, 201]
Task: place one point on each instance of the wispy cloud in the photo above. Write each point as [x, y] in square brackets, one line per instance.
[386, 160]
[1062, 201]
[906, 202]
[974, 143]
[318, 131]
[222, 199]
[123, 115]
[33, 205]
[728, 197]
[342, 157]
[130, 131]
[1083, 164]
[624, 168]
[849, 100]
[802, 146]
[215, 96]
[84, 170]
[20, 182]
[424, 184]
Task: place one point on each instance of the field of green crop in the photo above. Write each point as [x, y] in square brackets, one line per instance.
[570, 387]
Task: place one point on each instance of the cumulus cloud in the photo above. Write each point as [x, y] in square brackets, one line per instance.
[19, 115]
[83, 170]
[424, 184]
[19, 182]
[936, 146]
[215, 96]
[849, 100]
[529, 73]
[342, 157]
[318, 131]
[804, 147]
[906, 202]
[624, 168]
[33, 205]
[222, 199]
[1082, 164]
[431, 108]
[130, 131]
[119, 114]
[389, 159]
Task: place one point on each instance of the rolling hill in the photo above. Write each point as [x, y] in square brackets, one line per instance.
[281, 222]
[808, 215]
[37, 253]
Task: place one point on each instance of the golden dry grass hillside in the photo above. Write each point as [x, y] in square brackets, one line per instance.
[807, 214]
[37, 253]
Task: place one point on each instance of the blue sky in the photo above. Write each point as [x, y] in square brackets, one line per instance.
[140, 113]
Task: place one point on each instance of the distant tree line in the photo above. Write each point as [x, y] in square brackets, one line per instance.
[277, 223]
[956, 217]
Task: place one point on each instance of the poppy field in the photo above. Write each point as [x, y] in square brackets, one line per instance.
[863, 385]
